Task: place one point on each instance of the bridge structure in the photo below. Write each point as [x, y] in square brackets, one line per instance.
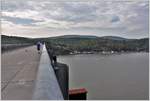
[27, 74]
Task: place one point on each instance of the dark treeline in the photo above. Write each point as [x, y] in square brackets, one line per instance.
[63, 45]
[15, 40]
[78, 44]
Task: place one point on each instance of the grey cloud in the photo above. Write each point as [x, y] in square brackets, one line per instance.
[132, 16]
[21, 21]
[74, 12]
[12, 5]
[115, 19]
[79, 7]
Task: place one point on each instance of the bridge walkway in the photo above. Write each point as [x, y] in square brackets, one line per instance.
[18, 73]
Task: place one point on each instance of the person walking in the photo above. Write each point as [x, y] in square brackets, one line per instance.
[38, 47]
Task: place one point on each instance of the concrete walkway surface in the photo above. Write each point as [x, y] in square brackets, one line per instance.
[18, 73]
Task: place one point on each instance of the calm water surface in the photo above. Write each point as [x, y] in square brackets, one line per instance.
[118, 76]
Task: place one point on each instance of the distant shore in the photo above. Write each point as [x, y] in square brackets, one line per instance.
[102, 53]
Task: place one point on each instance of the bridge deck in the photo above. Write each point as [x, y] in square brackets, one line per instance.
[18, 73]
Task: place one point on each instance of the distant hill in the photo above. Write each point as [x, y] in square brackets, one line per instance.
[14, 40]
[9, 43]
[114, 38]
[74, 36]
[70, 43]
[89, 37]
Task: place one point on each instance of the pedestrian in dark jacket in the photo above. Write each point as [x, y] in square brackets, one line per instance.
[38, 47]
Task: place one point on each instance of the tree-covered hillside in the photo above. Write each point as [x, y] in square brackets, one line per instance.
[74, 44]
[15, 40]
[78, 44]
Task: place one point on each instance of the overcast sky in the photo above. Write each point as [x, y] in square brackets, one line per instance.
[36, 18]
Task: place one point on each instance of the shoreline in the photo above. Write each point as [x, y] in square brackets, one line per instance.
[100, 53]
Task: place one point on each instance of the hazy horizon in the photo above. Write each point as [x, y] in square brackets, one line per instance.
[36, 18]
[74, 35]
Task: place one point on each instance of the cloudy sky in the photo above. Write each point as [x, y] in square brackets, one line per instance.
[46, 18]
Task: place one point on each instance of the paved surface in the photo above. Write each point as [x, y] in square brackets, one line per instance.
[18, 73]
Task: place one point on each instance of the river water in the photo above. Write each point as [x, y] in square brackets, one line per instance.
[117, 76]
